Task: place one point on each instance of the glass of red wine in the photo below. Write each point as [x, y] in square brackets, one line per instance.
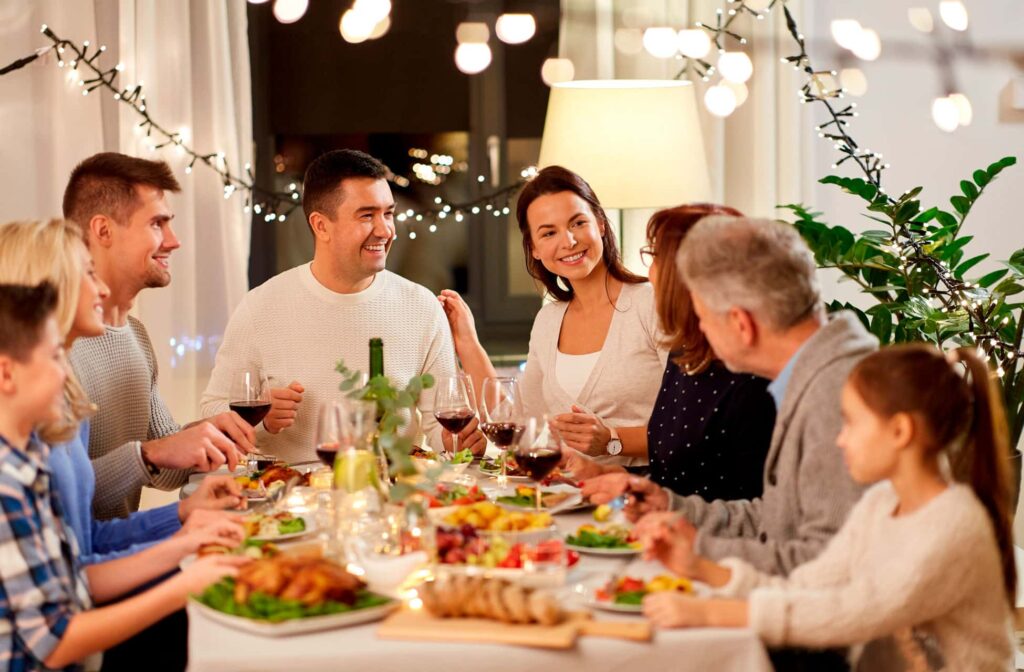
[250, 398]
[501, 416]
[539, 451]
[333, 433]
[454, 405]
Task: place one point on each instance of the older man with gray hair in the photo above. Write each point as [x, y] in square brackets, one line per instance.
[755, 289]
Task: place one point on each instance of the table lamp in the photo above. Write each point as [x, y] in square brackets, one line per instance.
[637, 142]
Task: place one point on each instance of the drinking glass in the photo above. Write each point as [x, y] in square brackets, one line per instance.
[250, 398]
[454, 405]
[333, 432]
[501, 416]
[539, 451]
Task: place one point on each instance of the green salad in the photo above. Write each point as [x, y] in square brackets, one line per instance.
[462, 456]
[292, 526]
[221, 596]
[588, 536]
[519, 500]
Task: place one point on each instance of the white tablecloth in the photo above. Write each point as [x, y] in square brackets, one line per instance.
[216, 648]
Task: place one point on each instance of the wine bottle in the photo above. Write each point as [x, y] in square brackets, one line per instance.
[377, 369]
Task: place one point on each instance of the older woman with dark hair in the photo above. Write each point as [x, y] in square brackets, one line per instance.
[710, 428]
[595, 351]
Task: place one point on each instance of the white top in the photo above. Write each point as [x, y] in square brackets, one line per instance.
[572, 371]
[625, 378]
[297, 329]
[932, 579]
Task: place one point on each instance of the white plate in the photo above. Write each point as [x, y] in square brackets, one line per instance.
[310, 528]
[195, 479]
[612, 606]
[297, 626]
[574, 501]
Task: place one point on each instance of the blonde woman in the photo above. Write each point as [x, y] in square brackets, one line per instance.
[31, 252]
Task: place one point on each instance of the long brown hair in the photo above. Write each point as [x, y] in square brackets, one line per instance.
[555, 180]
[964, 418]
[665, 232]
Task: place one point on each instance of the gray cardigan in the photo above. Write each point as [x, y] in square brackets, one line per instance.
[807, 489]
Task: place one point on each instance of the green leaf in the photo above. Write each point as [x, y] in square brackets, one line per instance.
[946, 219]
[926, 216]
[969, 264]
[960, 204]
[970, 191]
[991, 278]
[881, 324]
[981, 178]
[1008, 288]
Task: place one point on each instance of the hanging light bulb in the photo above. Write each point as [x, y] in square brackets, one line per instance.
[557, 70]
[629, 41]
[515, 28]
[868, 46]
[964, 111]
[694, 42]
[846, 32]
[921, 19]
[945, 114]
[660, 42]
[735, 66]
[381, 29]
[720, 100]
[953, 14]
[374, 10]
[739, 89]
[355, 26]
[853, 81]
[256, 2]
[472, 57]
[290, 11]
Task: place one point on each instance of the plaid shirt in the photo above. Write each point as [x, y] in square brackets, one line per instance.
[41, 587]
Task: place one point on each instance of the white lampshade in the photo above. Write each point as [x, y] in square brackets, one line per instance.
[637, 142]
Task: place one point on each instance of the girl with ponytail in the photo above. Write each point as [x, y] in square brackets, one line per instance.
[922, 573]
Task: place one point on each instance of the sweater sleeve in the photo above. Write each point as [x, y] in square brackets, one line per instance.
[140, 527]
[735, 518]
[161, 422]
[825, 494]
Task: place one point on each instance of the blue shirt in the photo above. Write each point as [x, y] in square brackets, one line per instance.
[777, 388]
[74, 479]
[41, 585]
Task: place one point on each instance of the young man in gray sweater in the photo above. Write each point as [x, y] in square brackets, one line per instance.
[119, 202]
[756, 292]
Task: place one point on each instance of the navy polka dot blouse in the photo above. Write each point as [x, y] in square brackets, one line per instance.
[709, 434]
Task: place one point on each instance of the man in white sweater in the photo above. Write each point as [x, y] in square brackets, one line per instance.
[297, 325]
[119, 202]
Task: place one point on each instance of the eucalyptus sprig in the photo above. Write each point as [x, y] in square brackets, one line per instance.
[391, 404]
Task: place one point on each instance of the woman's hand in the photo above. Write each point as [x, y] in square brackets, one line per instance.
[214, 492]
[583, 431]
[204, 571]
[225, 532]
[668, 538]
[644, 496]
[204, 518]
[671, 609]
[583, 468]
[460, 319]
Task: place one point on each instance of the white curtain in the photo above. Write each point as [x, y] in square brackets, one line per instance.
[193, 59]
[757, 155]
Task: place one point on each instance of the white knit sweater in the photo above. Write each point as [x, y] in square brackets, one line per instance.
[934, 573]
[297, 329]
[625, 380]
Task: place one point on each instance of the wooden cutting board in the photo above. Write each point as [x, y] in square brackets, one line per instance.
[421, 626]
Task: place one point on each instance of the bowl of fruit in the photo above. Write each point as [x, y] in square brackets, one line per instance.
[489, 519]
[467, 550]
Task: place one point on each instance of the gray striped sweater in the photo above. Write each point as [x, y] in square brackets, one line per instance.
[119, 372]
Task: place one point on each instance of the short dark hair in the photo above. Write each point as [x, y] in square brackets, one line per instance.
[321, 187]
[104, 184]
[23, 311]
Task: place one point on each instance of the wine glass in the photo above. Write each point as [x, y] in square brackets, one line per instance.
[250, 398]
[333, 432]
[539, 451]
[501, 415]
[454, 405]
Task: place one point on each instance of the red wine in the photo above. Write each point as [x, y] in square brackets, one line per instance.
[502, 434]
[327, 452]
[454, 421]
[538, 463]
[251, 411]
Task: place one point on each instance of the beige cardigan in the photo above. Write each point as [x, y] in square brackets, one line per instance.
[625, 380]
[934, 574]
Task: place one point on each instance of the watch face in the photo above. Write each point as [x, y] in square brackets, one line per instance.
[614, 447]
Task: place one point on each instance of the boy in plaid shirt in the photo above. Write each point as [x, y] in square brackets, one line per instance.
[45, 599]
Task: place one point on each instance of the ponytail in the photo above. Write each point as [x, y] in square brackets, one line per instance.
[982, 460]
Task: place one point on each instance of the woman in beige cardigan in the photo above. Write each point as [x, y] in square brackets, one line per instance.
[595, 359]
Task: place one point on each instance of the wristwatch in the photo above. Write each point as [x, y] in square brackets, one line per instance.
[614, 446]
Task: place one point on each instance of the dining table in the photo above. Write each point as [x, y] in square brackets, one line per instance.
[215, 647]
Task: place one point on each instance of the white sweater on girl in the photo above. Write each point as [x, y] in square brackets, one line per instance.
[932, 578]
